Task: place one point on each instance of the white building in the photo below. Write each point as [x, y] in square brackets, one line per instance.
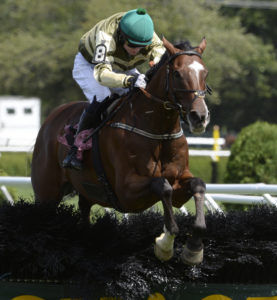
[19, 123]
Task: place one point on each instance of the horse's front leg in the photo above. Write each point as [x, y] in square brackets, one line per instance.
[193, 250]
[165, 242]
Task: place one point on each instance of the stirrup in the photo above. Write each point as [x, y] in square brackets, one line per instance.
[75, 163]
[71, 160]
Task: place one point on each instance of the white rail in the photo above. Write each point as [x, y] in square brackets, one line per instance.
[256, 193]
[15, 180]
[248, 188]
[211, 153]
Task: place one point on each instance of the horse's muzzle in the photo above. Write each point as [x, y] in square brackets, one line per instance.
[198, 121]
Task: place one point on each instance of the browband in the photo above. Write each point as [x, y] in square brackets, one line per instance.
[188, 52]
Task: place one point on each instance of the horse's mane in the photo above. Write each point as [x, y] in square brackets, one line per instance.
[182, 45]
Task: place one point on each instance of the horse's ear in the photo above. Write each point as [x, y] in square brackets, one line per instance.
[202, 46]
[169, 47]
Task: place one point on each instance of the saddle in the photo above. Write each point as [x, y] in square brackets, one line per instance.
[83, 141]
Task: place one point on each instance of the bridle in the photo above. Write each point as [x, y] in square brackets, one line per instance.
[174, 105]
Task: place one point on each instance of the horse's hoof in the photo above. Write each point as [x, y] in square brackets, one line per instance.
[190, 257]
[162, 254]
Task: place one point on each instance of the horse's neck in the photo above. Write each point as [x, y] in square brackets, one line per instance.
[151, 115]
[148, 114]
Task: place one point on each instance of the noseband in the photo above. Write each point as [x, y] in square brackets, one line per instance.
[169, 105]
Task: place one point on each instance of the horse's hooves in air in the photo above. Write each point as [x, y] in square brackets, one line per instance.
[190, 257]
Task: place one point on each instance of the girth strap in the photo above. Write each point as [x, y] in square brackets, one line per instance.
[101, 176]
[168, 136]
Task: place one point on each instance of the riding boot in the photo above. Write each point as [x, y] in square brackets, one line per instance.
[71, 160]
[90, 118]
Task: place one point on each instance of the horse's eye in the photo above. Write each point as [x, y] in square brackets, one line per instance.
[176, 74]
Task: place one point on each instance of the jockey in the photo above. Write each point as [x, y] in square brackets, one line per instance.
[106, 64]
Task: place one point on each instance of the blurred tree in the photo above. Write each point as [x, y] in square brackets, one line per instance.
[257, 93]
[39, 40]
[261, 22]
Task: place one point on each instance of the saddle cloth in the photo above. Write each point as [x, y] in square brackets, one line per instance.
[67, 139]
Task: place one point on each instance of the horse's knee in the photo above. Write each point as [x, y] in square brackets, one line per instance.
[161, 187]
[197, 185]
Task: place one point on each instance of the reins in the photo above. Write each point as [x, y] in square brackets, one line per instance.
[168, 105]
[109, 117]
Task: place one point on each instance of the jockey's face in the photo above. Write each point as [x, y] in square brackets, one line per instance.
[131, 50]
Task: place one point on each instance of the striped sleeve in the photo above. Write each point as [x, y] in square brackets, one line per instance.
[157, 49]
[104, 74]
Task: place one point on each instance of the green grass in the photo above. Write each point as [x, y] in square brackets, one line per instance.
[201, 166]
[15, 164]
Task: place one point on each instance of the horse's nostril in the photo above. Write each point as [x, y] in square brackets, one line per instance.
[195, 116]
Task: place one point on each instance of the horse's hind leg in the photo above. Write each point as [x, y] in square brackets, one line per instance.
[47, 182]
[165, 242]
[193, 250]
[49, 193]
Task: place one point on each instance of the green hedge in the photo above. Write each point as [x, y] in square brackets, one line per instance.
[254, 155]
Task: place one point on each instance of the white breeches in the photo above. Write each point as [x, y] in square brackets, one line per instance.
[83, 74]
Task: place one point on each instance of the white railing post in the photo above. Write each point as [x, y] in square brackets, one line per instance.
[270, 199]
[213, 204]
[7, 195]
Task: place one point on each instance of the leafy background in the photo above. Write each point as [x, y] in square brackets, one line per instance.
[39, 40]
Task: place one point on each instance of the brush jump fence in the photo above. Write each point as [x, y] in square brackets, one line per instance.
[38, 254]
[249, 194]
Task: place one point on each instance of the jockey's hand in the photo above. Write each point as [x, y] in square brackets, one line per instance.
[137, 81]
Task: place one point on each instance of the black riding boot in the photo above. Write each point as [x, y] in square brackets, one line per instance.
[90, 118]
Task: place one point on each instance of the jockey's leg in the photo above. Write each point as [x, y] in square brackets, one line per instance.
[83, 74]
[98, 96]
[90, 118]
[95, 93]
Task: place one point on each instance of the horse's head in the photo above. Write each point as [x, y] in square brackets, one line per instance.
[186, 86]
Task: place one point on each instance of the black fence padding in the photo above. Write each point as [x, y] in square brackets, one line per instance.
[116, 255]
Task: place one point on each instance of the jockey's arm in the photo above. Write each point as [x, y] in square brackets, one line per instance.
[104, 74]
[157, 50]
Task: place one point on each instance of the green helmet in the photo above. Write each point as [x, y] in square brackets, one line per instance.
[137, 27]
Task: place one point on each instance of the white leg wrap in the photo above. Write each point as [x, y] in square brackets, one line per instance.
[164, 245]
[190, 257]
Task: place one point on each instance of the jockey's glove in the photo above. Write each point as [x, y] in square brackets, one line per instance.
[138, 81]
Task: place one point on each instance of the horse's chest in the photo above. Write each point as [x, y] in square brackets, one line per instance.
[158, 160]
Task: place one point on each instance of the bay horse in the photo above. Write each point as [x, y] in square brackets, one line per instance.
[142, 148]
